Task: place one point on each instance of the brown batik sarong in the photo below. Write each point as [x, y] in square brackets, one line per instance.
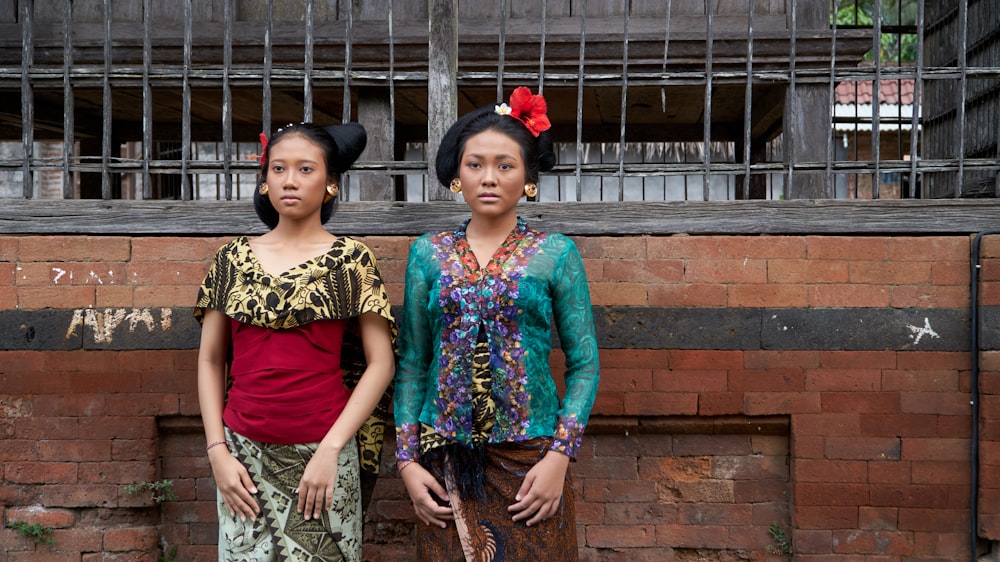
[484, 531]
[280, 533]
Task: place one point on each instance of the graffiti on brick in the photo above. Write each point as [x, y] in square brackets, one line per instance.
[104, 324]
[918, 332]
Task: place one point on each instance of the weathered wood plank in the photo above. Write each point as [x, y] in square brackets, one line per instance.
[203, 218]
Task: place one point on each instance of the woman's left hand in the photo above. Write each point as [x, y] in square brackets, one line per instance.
[318, 482]
[541, 491]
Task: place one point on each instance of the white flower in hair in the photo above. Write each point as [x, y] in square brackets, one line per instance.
[502, 109]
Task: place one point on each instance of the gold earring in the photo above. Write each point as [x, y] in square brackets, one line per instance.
[530, 189]
[456, 186]
[331, 192]
[263, 189]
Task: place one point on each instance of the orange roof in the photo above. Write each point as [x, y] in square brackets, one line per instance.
[896, 91]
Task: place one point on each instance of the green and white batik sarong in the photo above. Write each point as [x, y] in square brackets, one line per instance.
[280, 533]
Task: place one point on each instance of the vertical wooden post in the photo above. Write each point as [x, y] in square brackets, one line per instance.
[442, 87]
[807, 120]
[374, 114]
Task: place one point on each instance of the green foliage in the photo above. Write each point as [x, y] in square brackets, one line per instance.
[169, 553]
[163, 490]
[35, 531]
[782, 544]
[895, 47]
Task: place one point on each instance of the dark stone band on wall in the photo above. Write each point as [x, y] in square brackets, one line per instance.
[618, 327]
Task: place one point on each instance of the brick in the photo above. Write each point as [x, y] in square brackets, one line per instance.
[808, 470]
[928, 360]
[937, 380]
[661, 403]
[620, 294]
[709, 514]
[114, 296]
[40, 472]
[692, 536]
[890, 472]
[674, 468]
[638, 358]
[712, 446]
[933, 520]
[863, 403]
[725, 271]
[170, 248]
[939, 449]
[947, 403]
[633, 513]
[143, 404]
[142, 539]
[836, 494]
[783, 359]
[688, 295]
[626, 380]
[74, 248]
[117, 472]
[847, 247]
[7, 273]
[615, 247]
[165, 296]
[826, 424]
[929, 248]
[812, 542]
[771, 403]
[621, 536]
[948, 473]
[806, 271]
[848, 296]
[929, 296]
[764, 379]
[908, 496]
[82, 539]
[863, 448]
[75, 451]
[71, 405]
[890, 273]
[910, 425]
[118, 427]
[705, 359]
[36, 298]
[42, 274]
[720, 403]
[951, 273]
[878, 518]
[645, 271]
[9, 247]
[857, 359]
[682, 380]
[872, 542]
[843, 380]
[768, 295]
[617, 491]
[825, 518]
[166, 273]
[38, 427]
[54, 518]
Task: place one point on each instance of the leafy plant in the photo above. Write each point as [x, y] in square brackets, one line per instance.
[35, 531]
[169, 553]
[163, 490]
[782, 544]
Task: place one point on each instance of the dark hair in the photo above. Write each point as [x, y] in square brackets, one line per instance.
[341, 146]
[537, 151]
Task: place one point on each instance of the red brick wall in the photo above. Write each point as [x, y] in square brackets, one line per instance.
[692, 454]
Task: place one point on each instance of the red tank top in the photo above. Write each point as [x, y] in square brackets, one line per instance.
[287, 384]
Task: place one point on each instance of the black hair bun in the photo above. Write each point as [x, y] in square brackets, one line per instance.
[351, 139]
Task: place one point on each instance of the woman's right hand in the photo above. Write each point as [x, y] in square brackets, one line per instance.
[423, 487]
[234, 483]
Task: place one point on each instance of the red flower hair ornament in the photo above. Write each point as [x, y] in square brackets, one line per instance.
[527, 108]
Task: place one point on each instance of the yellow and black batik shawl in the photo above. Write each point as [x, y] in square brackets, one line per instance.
[341, 284]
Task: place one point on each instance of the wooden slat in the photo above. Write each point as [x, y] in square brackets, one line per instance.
[203, 218]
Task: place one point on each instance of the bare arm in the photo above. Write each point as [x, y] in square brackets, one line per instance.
[319, 479]
[230, 475]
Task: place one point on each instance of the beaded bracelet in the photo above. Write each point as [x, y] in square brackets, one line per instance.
[403, 464]
[214, 443]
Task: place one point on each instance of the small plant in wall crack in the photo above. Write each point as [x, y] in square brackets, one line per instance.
[781, 544]
[34, 531]
[162, 490]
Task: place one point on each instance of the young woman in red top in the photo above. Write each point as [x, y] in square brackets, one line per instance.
[296, 357]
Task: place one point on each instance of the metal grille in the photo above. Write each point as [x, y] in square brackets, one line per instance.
[652, 100]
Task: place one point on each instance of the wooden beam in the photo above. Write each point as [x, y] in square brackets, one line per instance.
[230, 218]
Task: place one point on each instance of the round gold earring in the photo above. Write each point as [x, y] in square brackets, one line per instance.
[530, 189]
[263, 189]
[331, 192]
[455, 186]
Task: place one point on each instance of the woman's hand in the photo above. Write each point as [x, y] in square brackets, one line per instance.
[423, 487]
[318, 483]
[234, 483]
[541, 491]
